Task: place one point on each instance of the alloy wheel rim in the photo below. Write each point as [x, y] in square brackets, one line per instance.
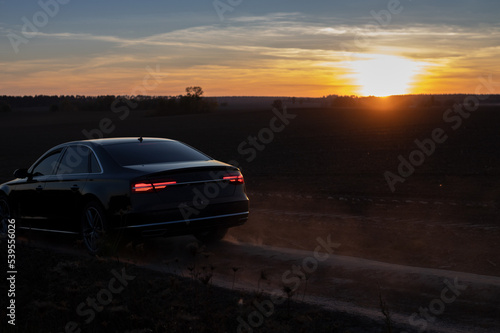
[93, 228]
[4, 216]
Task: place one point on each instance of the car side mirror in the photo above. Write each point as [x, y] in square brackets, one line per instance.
[21, 173]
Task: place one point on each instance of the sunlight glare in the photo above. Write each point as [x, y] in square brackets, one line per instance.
[385, 75]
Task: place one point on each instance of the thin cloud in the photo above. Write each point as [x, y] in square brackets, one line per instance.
[280, 47]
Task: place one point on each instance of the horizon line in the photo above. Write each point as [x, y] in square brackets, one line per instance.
[253, 96]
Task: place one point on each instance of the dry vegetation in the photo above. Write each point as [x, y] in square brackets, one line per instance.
[52, 285]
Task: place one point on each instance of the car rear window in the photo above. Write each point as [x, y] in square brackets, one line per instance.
[136, 153]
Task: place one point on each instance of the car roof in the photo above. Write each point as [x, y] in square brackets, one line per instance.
[113, 141]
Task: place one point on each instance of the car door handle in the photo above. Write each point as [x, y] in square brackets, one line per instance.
[39, 188]
[75, 187]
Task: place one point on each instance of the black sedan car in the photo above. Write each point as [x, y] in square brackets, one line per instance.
[125, 186]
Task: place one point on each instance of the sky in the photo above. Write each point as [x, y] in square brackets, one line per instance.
[248, 47]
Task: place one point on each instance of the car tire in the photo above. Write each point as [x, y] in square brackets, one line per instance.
[93, 228]
[4, 216]
[211, 236]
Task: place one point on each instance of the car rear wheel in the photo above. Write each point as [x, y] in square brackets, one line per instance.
[211, 236]
[4, 216]
[93, 228]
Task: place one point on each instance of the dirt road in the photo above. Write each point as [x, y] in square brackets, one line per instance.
[267, 256]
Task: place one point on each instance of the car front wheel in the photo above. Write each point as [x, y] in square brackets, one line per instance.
[93, 228]
[4, 216]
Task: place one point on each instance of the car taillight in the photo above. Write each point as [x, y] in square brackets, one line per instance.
[161, 186]
[151, 187]
[235, 178]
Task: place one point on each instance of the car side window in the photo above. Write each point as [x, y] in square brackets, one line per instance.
[48, 165]
[94, 165]
[75, 161]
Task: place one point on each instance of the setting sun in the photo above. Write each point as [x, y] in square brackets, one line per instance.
[384, 75]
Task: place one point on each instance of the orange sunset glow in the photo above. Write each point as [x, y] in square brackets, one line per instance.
[267, 54]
